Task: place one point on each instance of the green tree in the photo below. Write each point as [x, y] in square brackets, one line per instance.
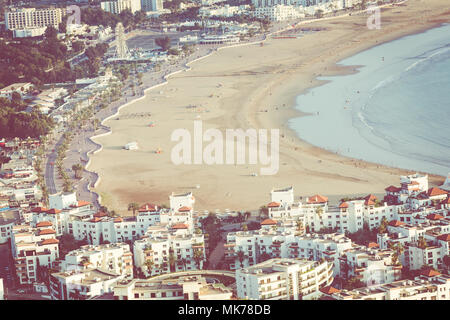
[133, 207]
[172, 260]
[163, 42]
[241, 257]
[51, 33]
[78, 169]
[383, 225]
[198, 257]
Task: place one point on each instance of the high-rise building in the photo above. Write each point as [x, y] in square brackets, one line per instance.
[29, 18]
[117, 6]
[152, 5]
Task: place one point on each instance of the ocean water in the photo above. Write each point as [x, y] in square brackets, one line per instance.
[394, 111]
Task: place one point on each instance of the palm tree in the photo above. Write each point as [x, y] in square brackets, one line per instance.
[198, 257]
[172, 260]
[77, 168]
[133, 207]
[383, 225]
[241, 256]
[319, 212]
[183, 262]
[263, 212]
[67, 186]
[421, 242]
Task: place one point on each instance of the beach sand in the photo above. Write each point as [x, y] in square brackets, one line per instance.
[230, 89]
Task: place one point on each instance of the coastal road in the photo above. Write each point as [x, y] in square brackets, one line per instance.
[49, 174]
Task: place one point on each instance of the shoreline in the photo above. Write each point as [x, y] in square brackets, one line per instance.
[336, 146]
[289, 112]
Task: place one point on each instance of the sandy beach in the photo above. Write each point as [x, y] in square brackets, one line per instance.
[250, 87]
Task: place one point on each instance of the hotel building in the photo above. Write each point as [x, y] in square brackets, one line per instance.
[26, 22]
[117, 6]
[115, 258]
[283, 279]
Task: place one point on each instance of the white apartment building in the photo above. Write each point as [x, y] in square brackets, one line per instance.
[223, 11]
[260, 245]
[315, 214]
[116, 258]
[33, 21]
[183, 288]
[153, 253]
[372, 266]
[421, 288]
[283, 279]
[77, 218]
[62, 200]
[435, 232]
[279, 12]
[33, 247]
[6, 229]
[117, 6]
[82, 284]
[271, 3]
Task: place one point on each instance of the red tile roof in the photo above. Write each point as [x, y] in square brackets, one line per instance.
[47, 231]
[118, 220]
[396, 223]
[370, 200]
[54, 211]
[392, 189]
[100, 214]
[444, 237]
[268, 222]
[148, 207]
[95, 219]
[329, 290]
[429, 272]
[343, 205]
[372, 245]
[184, 209]
[317, 199]
[435, 192]
[434, 216]
[82, 203]
[49, 241]
[44, 224]
[274, 205]
[39, 209]
[179, 226]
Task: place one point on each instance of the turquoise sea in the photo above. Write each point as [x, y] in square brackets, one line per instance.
[394, 111]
